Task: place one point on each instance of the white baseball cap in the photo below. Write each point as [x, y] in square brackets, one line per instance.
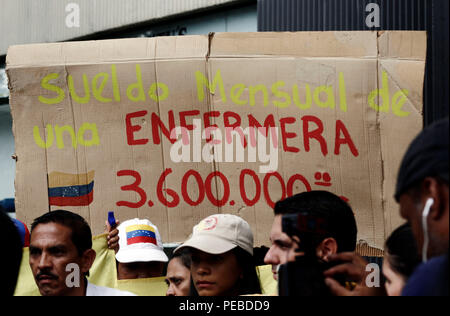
[219, 234]
[140, 241]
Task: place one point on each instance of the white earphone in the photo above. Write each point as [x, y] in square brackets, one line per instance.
[426, 238]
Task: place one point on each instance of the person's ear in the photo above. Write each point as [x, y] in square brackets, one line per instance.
[326, 248]
[87, 260]
[432, 189]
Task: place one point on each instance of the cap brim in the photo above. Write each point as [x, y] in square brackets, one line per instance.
[141, 255]
[209, 244]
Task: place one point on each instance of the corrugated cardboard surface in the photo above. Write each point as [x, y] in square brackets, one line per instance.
[316, 59]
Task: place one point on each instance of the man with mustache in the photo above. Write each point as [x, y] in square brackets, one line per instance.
[61, 241]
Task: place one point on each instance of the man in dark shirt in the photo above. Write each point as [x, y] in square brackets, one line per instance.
[423, 195]
[430, 279]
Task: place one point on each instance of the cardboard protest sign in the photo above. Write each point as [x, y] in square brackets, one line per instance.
[174, 129]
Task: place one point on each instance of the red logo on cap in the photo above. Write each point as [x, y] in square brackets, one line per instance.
[208, 224]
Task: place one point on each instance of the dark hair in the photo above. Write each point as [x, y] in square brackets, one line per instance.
[341, 223]
[427, 156]
[12, 258]
[193, 291]
[250, 283]
[81, 232]
[184, 257]
[402, 251]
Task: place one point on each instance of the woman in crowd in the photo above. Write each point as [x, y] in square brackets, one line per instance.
[178, 276]
[221, 250]
[400, 260]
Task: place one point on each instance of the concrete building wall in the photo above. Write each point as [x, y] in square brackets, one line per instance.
[31, 21]
[241, 19]
[7, 164]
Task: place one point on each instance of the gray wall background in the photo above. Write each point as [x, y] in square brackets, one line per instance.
[38, 21]
[7, 164]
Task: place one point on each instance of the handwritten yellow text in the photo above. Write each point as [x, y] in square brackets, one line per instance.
[322, 96]
[95, 88]
[57, 133]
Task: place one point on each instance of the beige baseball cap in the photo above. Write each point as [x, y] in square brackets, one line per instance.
[140, 241]
[219, 234]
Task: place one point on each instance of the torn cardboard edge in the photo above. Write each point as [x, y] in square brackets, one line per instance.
[389, 44]
[365, 250]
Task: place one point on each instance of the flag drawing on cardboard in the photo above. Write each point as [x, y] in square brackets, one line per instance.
[141, 234]
[65, 189]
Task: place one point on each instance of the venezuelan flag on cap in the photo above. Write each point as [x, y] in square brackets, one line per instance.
[141, 234]
[66, 189]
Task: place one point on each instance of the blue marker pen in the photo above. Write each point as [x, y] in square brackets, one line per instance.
[112, 220]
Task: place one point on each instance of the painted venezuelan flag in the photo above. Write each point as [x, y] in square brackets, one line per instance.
[141, 234]
[66, 189]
